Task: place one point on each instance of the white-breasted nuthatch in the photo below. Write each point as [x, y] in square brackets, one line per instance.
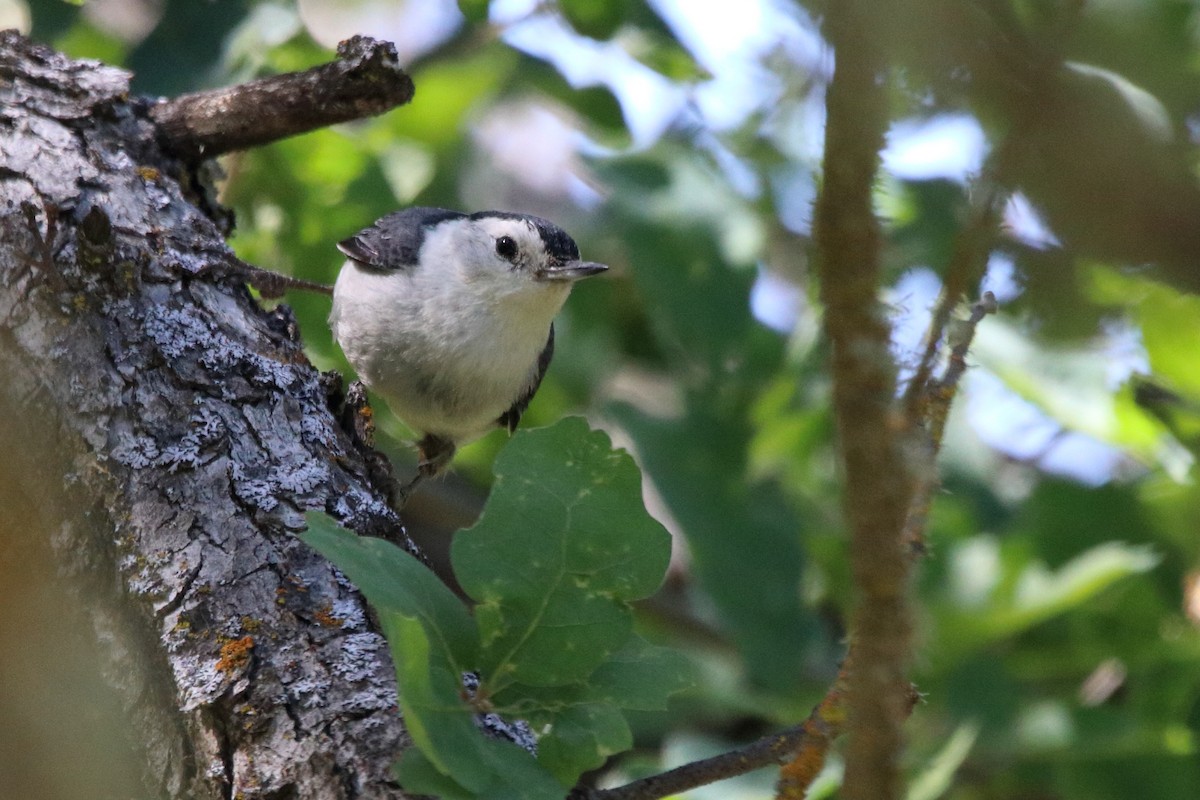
[449, 317]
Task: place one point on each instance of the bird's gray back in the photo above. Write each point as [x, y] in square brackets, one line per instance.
[394, 242]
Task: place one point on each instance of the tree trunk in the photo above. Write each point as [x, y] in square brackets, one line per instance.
[166, 436]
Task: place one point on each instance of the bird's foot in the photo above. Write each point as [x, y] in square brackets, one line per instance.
[358, 421]
[435, 455]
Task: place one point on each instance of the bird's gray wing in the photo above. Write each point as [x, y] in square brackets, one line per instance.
[511, 418]
[394, 242]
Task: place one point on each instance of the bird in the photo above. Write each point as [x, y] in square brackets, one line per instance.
[449, 317]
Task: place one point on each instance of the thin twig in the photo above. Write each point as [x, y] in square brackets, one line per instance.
[939, 394]
[803, 747]
[822, 725]
[764, 752]
[796, 776]
[1034, 65]
[273, 285]
[922, 402]
[926, 400]
[967, 264]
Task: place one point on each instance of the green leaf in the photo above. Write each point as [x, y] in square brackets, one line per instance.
[553, 642]
[1170, 325]
[1169, 319]
[926, 217]
[1143, 106]
[517, 775]
[1070, 384]
[475, 11]
[740, 535]
[663, 54]
[582, 723]
[686, 233]
[86, 41]
[938, 776]
[448, 90]
[440, 723]
[432, 639]
[597, 105]
[394, 581]
[641, 676]
[1036, 595]
[514, 775]
[1066, 383]
[648, 38]
[563, 545]
[418, 775]
[1041, 595]
[581, 739]
[598, 19]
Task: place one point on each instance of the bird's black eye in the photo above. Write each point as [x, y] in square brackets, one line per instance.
[506, 247]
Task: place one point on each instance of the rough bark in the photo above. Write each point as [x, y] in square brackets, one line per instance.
[191, 434]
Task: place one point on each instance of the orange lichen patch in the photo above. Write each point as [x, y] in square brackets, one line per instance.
[798, 774]
[823, 725]
[235, 654]
[149, 173]
[324, 615]
[364, 425]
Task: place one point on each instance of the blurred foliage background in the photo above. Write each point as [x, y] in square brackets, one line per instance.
[680, 142]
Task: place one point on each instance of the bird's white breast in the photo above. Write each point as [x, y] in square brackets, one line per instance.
[448, 356]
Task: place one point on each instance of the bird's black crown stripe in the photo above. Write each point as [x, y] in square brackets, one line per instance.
[559, 245]
[394, 242]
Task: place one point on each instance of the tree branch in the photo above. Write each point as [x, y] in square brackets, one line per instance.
[820, 728]
[878, 475]
[938, 395]
[968, 262]
[756, 755]
[193, 435]
[365, 80]
[804, 747]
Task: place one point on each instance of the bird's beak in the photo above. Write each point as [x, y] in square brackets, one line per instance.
[570, 271]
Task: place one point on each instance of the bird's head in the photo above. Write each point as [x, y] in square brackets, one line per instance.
[522, 254]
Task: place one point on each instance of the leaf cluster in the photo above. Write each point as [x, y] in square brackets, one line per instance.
[561, 550]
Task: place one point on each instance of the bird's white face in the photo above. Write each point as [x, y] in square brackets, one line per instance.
[515, 251]
[508, 259]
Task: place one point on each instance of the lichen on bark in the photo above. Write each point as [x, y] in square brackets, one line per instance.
[193, 436]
